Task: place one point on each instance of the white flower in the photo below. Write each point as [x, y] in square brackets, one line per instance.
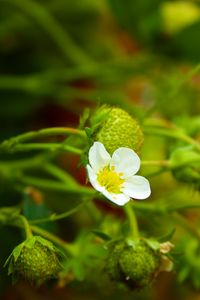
[115, 176]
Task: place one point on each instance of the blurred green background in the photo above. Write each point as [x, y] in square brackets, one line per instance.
[59, 57]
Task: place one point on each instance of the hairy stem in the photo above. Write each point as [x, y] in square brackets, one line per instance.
[47, 147]
[132, 220]
[26, 226]
[53, 238]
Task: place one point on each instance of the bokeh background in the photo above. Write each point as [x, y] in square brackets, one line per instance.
[58, 58]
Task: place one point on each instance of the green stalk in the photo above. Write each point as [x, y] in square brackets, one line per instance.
[26, 226]
[128, 208]
[53, 238]
[46, 146]
[54, 131]
[162, 128]
[48, 184]
[55, 217]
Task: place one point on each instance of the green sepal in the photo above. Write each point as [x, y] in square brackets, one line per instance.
[84, 117]
[99, 117]
[88, 132]
[31, 265]
[153, 244]
[167, 237]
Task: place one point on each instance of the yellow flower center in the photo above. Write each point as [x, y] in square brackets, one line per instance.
[111, 180]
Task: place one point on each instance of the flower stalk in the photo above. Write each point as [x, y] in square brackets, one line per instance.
[134, 231]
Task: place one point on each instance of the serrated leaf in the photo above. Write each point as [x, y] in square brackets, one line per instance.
[16, 252]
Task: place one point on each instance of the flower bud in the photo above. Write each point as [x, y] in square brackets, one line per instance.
[34, 260]
[115, 128]
[134, 263]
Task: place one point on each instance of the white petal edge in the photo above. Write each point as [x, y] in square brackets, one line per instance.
[119, 199]
[125, 161]
[137, 187]
[93, 179]
[98, 156]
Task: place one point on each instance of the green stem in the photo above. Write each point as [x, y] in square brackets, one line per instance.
[47, 146]
[55, 239]
[27, 163]
[55, 31]
[47, 184]
[26, 226]
[168, 130]
[132, 220]
[55, 217]
[54, 131]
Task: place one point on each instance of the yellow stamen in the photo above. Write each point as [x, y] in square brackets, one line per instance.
[111, 180]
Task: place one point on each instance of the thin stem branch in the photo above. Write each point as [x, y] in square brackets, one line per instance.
[48, 184]
[55, 239]
[26, 226]
[55, 217]
[47, 146]
[54, 131]
[132, 220]
[168, 130]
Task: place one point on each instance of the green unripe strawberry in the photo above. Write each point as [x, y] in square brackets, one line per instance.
[134, 264]
[34, 260]
[115, 128]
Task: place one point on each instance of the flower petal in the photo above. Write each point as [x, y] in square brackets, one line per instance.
[125, 161]
[119, 199]
[93, 179]
[98, 156]
[137, 187]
